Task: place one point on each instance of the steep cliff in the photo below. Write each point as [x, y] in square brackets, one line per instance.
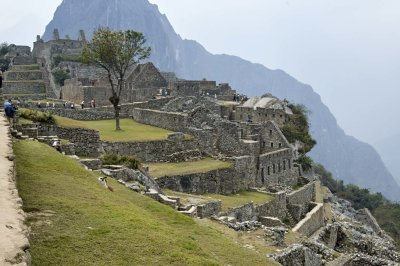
[348, 158]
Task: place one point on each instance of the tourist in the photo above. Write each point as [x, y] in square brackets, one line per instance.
[38, 105]
[72, 106]
[9, 110]
[94, 103]
[54, 105]
[1, 79]
[47, 104]
[83, 104]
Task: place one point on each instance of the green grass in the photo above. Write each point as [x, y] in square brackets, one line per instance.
[228, 201]
[75, 221]
[171, 169]
[131, 130]
[24, 121]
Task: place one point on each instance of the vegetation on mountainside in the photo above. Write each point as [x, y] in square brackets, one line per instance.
[75, 221]
[296, 129]
[133, 131]
[200, 166]
[115, 52]
[386, 213]
[126, 160]
[36, 116]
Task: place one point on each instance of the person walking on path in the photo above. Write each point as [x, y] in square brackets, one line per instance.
[9, 110]
[1, 79]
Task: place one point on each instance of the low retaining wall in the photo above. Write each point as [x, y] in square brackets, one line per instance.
[273, 208]
[83, 114]
[18, 87]
[220, 181]
[150, 151]
[87, 141]
[312, 222]
[298, 201]
[209, 209]
[167, 120]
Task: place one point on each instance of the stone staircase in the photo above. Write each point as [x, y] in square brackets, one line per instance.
[291, 221]
[24, 78]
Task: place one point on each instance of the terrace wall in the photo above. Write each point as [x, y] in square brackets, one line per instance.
[220, 181]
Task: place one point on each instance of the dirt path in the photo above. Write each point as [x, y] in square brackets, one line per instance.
[13, 237]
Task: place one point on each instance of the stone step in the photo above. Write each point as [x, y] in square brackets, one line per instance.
[23, 75]
[24, 87]
[24, 67]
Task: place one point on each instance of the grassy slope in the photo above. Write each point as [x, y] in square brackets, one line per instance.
[131, 130]
[92, 226]
[201, 166]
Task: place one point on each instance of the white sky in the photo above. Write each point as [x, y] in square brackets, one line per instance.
[348, 50]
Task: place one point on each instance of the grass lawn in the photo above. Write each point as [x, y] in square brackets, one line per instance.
[171, 169]
[228, 201]
[131, 130]
[75, 221]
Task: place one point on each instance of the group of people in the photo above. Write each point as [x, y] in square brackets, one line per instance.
[240, 98]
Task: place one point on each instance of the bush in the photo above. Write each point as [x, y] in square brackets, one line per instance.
[37, 116]
[297, 129]
[60, 75]
[306, 162]
[115, 159]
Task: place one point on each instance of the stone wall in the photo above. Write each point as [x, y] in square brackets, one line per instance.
[83, 114]
[74, 91]
[220, 181]
[167, 120]
[273, 208]
[303, 195]
[208, 209]
[249, 211]
[87, 141]
[312, 222]
[23, 75]
[150, 151]
[277, 168]
[190, 87]
[298, 201]
[22, 87]
[260, 115]
[243, 213]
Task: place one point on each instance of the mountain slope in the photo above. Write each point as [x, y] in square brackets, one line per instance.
[389, 149]
[349, 159]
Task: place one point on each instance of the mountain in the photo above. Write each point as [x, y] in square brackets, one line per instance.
[347, 158]
[389, 148]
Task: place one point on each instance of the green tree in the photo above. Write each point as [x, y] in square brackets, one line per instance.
[115, 52]
[60, 75]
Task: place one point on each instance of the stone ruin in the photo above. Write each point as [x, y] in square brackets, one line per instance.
[223, 125]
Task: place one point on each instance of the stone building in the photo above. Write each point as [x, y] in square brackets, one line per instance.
[262, 109]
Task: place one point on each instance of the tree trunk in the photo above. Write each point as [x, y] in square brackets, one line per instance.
[117, 125]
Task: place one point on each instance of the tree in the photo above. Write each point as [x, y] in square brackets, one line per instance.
[115, 52]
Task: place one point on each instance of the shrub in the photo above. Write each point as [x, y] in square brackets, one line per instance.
[36, 116]
[115, 159]
[60, 75]
[297, 129]
[306, 162]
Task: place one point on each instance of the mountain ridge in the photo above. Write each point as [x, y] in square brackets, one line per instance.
[346, 157]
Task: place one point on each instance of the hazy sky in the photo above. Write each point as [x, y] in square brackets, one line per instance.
[348, 50]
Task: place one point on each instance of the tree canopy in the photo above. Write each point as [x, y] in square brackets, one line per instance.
[116, 52]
